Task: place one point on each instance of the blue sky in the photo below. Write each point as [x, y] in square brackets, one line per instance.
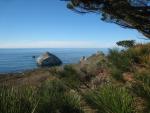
[49, 24]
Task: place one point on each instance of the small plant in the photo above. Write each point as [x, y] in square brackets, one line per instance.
[110, 99]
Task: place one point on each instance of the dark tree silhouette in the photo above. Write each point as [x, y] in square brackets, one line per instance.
[126, 43]
[134, 14]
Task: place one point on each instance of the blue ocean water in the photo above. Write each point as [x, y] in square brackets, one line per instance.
[18, 60]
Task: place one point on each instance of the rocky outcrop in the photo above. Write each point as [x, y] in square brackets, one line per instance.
[48, 60]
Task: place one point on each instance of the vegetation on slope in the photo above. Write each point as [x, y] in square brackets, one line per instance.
[118, 82]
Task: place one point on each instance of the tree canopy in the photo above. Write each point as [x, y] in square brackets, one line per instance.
[134, 14]
[126, 43]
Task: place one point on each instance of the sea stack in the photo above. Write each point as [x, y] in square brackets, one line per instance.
[48, 60]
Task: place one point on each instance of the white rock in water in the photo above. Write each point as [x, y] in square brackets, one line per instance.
[48, 60]
[83, 59]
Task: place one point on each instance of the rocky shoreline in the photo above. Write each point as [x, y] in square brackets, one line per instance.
[43, 72]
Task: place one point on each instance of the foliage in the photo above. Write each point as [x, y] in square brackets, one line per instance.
[126, 43]
[126, 13]
[110, 99]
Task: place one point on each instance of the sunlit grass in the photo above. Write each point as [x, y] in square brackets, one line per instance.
[110, 99]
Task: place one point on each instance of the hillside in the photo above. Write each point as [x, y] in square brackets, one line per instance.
[115, 83]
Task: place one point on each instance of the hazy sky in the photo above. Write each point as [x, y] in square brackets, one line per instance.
[48, 23]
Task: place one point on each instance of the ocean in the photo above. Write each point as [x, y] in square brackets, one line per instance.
[19, 60]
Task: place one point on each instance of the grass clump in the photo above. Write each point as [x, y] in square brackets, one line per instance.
[18, 100]
[119, 63]
[119, 59]
[52, 97]
[140, 54]
[71, 103]
[110, 99]
[142, 88]
[70, 77]
[55, 97]
[116, 73]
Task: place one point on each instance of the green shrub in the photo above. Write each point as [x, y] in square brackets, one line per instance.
[119, 60]
[110, 99]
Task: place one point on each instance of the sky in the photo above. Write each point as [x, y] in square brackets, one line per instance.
[49, 24]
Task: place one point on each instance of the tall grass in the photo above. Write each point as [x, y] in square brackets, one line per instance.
[51, 97]
[119, 60]
[70, 77]
[18, 100]
[71, 103]
[142, 87]
[140, 54]
[119, 63]
[110, 99]
[56, 97]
